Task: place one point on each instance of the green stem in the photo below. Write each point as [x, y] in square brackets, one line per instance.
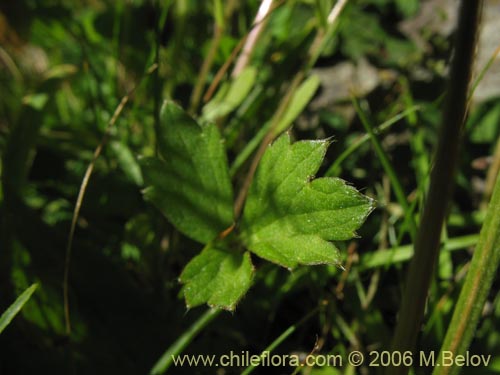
[404, 253]
[209, 59]
[477, 284]
[158, 84]
[334, 169]
[441, 183]
[280, 339]
[166, 360]
[386, 164]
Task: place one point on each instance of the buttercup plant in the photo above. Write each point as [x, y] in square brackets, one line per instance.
[289, 217]
[203, 249]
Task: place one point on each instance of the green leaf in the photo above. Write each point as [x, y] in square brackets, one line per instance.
[230, 96]
[407, 8]
[218, 277]
[486, 129]
[36, 101]
[13, 309]
[127, 162]
[299, 101]
[289, 218]
[190, 183]
[363, 37]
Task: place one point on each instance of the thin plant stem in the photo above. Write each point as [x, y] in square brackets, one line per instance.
[240, 199]
[220, 73]
[477, 284]
[81, 194]
[391, 173]
[417, 141]
[166, 360]
[324, 34]
[427, 243]
[313, 54]
[334, 168]
[205, 68]
[224, 68]
[383, 243]
[281, 338]
[483, 71]
[246, 53]
[400, 254]
[163, 12]
[491, 175]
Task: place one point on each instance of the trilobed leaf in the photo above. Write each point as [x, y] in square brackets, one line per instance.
[290, 218]
[189, 182]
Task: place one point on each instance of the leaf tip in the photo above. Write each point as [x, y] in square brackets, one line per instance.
[341, 266]
[372, 205]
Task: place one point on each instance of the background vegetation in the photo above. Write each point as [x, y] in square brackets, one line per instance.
[64, 68]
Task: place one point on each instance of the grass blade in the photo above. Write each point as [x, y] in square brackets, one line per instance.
[162, 365]
[335, 167]
[281, 338]
[384, 159]
[13, 309]
[477, 284]
[404, 253]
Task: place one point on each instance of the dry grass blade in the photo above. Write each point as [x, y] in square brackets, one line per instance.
[220, 73]
[81, 194]
[313, 53]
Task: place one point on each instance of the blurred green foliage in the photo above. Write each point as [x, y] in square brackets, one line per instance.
[64, 67]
